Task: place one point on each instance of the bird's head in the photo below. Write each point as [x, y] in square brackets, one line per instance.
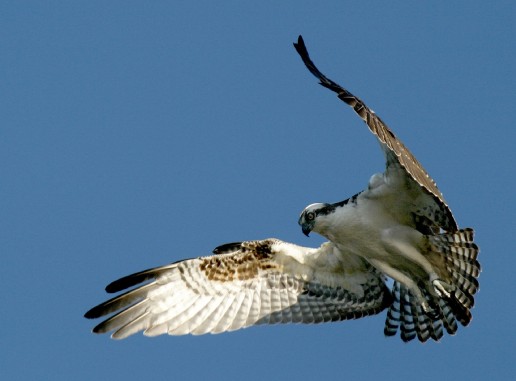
[310, 217]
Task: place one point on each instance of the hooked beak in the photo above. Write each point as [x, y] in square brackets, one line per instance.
[306, 230]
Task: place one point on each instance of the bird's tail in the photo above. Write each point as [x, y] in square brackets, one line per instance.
[449, 300]
[460, 255]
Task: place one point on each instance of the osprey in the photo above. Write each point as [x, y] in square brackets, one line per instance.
[399, 227]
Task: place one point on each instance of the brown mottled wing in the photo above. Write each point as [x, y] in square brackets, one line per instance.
[394, 149]
[244, 284]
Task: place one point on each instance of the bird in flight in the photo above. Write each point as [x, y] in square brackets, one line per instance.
[400, 227]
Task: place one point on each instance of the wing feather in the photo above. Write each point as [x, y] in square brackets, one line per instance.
[394, 149]
[249, 283]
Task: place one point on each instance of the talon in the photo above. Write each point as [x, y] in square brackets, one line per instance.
[441, 289]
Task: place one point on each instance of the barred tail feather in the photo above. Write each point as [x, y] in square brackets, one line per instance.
[424, 325]
[392, 322]
[407, 315]
[460, 254]
[450, 303]
[429, 327]
[450, 324]
[408, 327]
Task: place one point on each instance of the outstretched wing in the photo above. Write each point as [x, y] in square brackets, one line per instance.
[395, 151]
[244, 284]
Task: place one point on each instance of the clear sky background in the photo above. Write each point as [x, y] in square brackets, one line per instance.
[134, 134]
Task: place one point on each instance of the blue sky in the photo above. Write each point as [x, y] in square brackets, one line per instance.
[135, 134]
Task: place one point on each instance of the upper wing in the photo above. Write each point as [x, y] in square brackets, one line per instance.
[394, 149]
[244, 284]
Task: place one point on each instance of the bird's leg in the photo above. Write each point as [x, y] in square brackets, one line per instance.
[405, 280]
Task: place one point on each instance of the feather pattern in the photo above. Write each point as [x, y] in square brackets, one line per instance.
[400, 227]
[251, 283]
[406, 230]
[463, 269]
[394, 149]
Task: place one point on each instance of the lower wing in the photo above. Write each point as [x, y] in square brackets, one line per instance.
[243, 284]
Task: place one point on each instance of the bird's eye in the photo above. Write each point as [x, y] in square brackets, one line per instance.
[310, 216]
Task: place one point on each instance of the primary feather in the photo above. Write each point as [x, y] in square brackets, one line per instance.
[251, 283]
[400, 226]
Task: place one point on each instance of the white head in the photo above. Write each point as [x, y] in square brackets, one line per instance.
[311, 216]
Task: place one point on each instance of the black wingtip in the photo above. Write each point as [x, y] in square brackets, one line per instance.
[92, 313]
[130, 281]
[139, 277]
[119, 285]
[323, 80]
[301, 47]
[227, 248]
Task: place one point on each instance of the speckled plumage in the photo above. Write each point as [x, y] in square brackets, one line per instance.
[249, 283]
